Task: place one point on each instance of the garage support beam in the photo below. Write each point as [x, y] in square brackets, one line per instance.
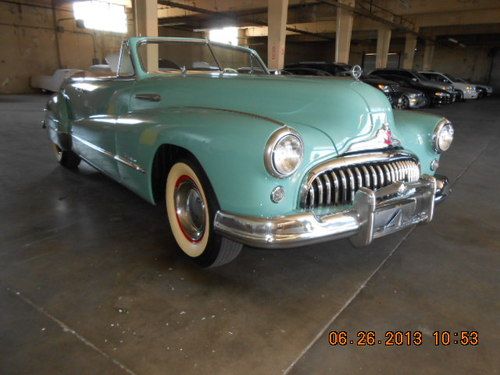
[428, 55]
[409, 54]
[276, 21]
[146, 24]
[383, 43]
[343, 32]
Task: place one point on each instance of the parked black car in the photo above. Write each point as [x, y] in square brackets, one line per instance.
[306, 72]
[334, 69]
[390, 89]
[434, 95]
[417, 77]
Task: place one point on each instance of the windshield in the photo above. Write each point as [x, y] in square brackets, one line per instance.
[420, 76]
[174, 56]
[451, 78]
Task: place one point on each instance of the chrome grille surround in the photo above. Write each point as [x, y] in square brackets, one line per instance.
[335, 182]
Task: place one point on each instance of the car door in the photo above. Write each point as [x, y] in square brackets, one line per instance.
[93, 130]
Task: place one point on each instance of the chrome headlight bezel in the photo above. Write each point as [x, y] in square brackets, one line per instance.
[270, 152]
[437, 137]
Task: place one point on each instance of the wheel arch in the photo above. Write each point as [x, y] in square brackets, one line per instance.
[165, 157]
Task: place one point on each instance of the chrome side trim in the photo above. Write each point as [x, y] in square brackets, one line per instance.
[249, 114]
[152, 97]
[129, 163]
[121, 159]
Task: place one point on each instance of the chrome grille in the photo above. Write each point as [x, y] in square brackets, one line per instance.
[338, 186]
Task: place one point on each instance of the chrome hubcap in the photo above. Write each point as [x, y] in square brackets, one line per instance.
[190, 209]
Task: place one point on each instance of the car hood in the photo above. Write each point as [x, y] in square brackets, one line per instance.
[343, 109]
[409, 90]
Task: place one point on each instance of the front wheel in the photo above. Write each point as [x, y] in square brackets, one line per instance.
[404, 102]
[67, 159]
[191, 208]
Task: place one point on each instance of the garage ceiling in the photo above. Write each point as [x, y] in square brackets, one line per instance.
[467, 21]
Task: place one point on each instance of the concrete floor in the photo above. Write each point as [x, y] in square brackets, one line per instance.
[90, 282]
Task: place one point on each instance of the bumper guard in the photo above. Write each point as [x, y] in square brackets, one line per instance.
[374, 214]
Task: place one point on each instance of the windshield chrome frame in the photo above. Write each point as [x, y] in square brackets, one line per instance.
[208, 43]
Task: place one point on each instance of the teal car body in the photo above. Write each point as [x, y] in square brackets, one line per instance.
[122, 124]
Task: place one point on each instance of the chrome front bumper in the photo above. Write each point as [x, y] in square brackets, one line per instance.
[373, 215]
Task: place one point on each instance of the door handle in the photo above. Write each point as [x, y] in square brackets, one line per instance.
[149, 97]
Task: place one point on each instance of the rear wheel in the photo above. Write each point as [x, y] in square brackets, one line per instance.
[67, 159]
[460, 96]
[404, 102]
[191, 208]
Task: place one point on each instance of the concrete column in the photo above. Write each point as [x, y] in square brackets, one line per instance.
[146, 24]
[383, 43]
[242, 37]
[343, 32]
[277, 11]
[428, 55]
[410, 44]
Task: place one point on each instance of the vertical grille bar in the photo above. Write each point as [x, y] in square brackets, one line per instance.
[311, 197]
[352, 188]
[319, 185]
[368, 181]
[335, 187]
[359, 178]
[328, 192]
[343, 185]
[380, 176]
[374, 177]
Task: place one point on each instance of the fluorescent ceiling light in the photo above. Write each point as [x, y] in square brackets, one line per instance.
[227, 35]
[101, 15]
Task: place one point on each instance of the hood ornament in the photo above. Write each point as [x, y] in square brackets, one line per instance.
[383, 138]
[356, 72]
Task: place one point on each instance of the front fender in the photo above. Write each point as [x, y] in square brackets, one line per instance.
[416, 130]
[230, 147]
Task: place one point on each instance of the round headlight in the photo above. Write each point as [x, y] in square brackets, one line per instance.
[284, 153]
[443, 136]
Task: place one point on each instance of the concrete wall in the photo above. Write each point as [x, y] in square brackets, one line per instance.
[471, 63]
[28, 42]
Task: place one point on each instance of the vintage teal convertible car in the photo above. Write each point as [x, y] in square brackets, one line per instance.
[244, 157]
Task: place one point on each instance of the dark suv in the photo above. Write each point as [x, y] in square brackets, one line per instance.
[435, 93]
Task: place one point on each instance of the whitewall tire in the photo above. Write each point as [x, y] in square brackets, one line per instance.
[191, 207]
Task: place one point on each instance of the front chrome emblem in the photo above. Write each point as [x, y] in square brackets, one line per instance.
[388, 140]
[356, 72]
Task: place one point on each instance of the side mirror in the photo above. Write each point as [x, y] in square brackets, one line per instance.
[414, 79]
